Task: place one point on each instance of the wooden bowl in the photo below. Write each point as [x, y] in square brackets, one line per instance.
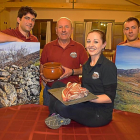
[52, 70]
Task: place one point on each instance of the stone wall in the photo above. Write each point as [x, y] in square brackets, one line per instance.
[19, 85]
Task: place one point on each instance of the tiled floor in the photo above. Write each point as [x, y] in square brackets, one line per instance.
[26, 122]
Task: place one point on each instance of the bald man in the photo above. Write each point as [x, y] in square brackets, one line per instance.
[65, 51]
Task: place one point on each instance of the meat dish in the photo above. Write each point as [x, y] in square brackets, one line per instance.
[73, 91]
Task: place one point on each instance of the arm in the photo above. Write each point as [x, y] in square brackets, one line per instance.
[102, 99]
[7, 38]
[77, 71]
[109, 81]
[82, 59]
[109, 96]
[133, 44]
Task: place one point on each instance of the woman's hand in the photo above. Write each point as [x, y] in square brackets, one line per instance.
[102, 99]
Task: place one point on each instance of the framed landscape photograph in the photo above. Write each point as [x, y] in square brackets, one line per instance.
[19, 73]
[128, 77]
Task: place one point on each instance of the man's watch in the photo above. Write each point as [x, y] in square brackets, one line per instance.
[72, 72]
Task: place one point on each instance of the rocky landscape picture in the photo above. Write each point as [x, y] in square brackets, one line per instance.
[128, 74]
[19, 73]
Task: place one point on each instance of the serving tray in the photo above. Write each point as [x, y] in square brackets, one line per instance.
[57, 93]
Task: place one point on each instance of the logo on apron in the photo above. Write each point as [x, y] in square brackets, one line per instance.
[73, 54]
[95, 75]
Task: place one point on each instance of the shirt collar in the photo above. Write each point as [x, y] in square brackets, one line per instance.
[22, 34]
[55, 43]
[99, 62]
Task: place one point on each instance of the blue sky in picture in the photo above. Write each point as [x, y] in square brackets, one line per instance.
[127, 57]
[31, 46]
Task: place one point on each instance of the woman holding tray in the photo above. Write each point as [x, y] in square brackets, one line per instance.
[99, 76]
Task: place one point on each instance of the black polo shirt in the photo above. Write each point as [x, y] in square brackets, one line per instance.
[101, 79]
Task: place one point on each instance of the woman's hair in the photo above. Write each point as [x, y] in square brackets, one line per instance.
[102, 34]
[25, 10]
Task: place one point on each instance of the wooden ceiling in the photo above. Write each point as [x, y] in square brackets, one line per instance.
[112, 5]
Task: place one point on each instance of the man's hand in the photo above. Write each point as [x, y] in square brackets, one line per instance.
[44, 79]
[19, 40]
[68, 72]
[135, 44]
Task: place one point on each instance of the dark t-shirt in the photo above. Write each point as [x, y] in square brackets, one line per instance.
[101, 79]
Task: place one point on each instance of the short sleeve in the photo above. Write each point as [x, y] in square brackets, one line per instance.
[109, 73]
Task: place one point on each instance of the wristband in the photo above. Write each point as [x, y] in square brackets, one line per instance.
[72, 72]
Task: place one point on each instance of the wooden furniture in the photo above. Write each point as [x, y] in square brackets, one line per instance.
[109, 54]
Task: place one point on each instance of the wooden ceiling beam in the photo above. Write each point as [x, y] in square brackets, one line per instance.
[107, 7]
[11, 0]
[138, 16]
[1, 9]
[38, 5]
[70, 6]
[136, 2]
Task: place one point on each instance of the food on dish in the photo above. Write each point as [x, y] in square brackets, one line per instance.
[73, 91]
